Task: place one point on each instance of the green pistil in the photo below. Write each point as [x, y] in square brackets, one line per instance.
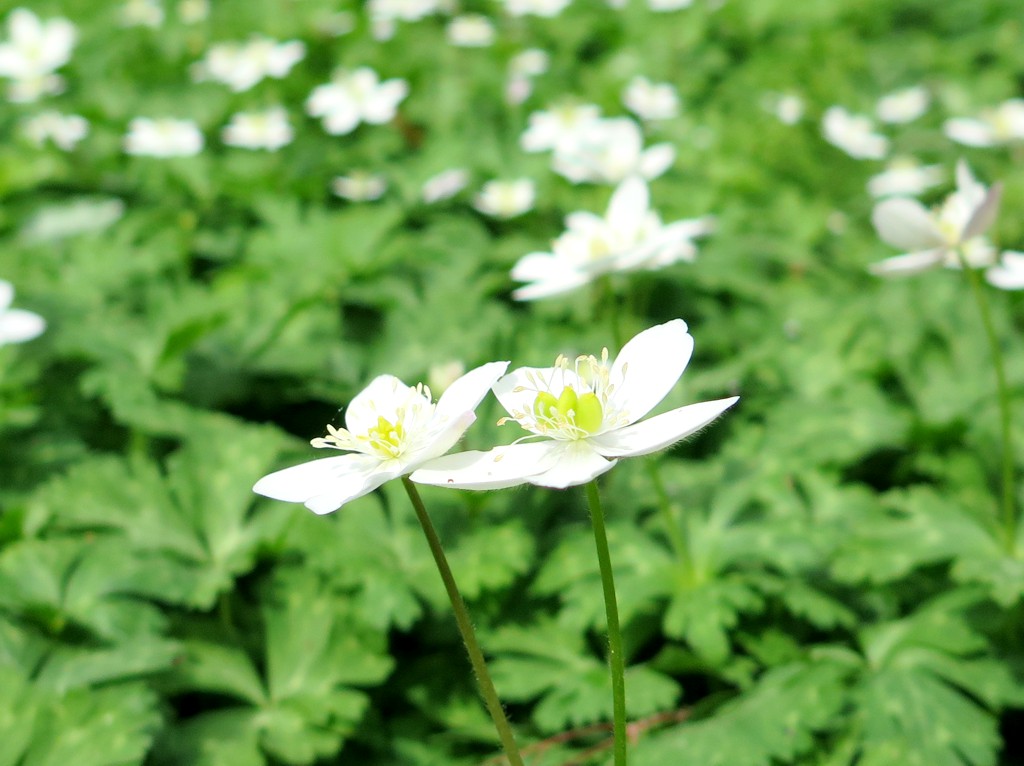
[570, 409]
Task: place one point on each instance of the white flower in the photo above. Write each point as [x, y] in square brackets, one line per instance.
[935, 237]
[905, 177]
[903, 105]
[1008, 274]
[585, 414]
[391, 430]
[651, 101]
[521, 69]
[384, 14]
[34, 51]
[63, 130]
[788, 108]
[547, 8]
[558, 125]
[268, 130]
[853, 134]
[16, 325]
[360, 186]
[470, 31]
[630, 236]
[193, 11]
[240, 66]
[1000, 125]
[165, 137]
[445, 185]
[609, 151]
[668, 5]
[506, 198]
[355, 96]
[142, 13]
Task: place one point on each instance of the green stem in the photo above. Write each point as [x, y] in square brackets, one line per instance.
[675, 534]
[1009, 516]
[615, 658]
[476, 657]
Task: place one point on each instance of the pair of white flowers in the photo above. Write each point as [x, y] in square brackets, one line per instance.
[581, 417]
[940, 237]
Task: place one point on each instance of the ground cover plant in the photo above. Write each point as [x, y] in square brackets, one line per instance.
[220, 222]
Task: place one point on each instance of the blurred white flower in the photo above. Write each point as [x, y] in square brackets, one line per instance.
[193, 11]
[385, 13]
[33, 52]
[391, 429]
[142, 13]
[355, 96]
[522, 68]
[360, 186]
[651, 101]
[268, 130]
[166, 137]
[788, 108]
[240, 66]
[630, 236]
[559, 124]
[608, 151]
[937, 237]
[583, 416]
[905, 177]
[445, 185]
[546, 8]
[668, 5]
[1001, 125]
[506, 198]
[63, 130]
[853, 134]
[903, 105]
[16, 325]
[70, 218]
[1008, 273]
[470, 31]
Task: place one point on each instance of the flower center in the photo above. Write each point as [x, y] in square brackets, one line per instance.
[386, 437]
[570, 413]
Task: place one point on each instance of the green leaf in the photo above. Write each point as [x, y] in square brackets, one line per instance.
[775, 721]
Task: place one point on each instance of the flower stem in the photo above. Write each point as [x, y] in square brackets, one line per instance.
[476, 657]
[1009, 516]
[615, 658]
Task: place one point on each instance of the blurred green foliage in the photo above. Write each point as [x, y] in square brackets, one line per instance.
[844, 596]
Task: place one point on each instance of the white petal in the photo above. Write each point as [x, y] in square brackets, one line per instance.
[628, 204]
[17, 326]
[906, 224]
[575, 463]
[382, 396]
[647, 368]
[1009, 274]
[969, 132]
[324, 485]
[908, 264]
[534, 266]
[340, 122]
[656, 160]
[553, 285]
[466, 393]
[498, 468]
[660, 431]
[985, 214]
[384, 103]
